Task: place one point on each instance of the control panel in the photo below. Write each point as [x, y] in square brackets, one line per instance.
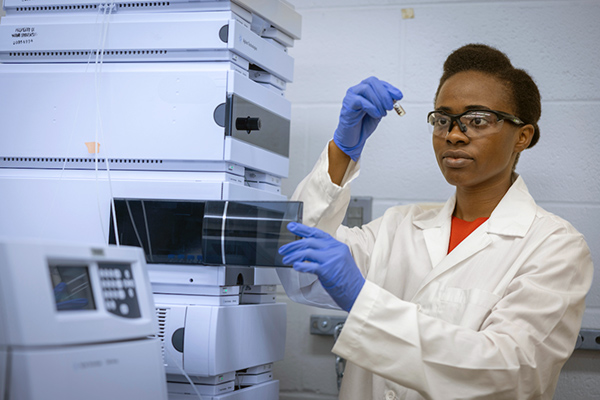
[118, 290]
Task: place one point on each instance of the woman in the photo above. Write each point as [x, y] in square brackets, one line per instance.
[480, 298]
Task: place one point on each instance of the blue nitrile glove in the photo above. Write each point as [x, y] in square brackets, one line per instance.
[362, 109]
[329, 259]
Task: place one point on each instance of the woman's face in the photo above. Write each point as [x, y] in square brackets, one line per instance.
[485, 161]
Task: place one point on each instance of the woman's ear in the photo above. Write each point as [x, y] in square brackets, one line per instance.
[524, 137]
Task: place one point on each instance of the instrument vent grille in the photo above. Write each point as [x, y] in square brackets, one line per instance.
[79, 160]
[115, 53]
[161, 314]
[85, 7]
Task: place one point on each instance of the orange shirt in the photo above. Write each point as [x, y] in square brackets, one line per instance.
[461, 229]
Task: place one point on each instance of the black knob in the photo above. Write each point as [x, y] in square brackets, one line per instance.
[247, 124]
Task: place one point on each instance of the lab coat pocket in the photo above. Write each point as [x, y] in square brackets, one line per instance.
[466, 307]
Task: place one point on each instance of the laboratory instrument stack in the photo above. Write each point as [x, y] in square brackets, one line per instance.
[161, 125]
[91, 334]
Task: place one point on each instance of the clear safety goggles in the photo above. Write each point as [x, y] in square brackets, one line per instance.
[472, 122]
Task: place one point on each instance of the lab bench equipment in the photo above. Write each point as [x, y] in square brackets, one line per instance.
[76, 318]
[113, 111]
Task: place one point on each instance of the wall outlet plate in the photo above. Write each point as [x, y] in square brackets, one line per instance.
[325, 324]
[359, 211]
[588, 339]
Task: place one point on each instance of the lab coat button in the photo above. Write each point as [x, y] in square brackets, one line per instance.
[390, 395]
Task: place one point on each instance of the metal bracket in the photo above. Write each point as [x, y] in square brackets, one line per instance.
[325, 324]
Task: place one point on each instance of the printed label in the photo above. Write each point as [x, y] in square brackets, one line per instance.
[23, 35]
[247, 43]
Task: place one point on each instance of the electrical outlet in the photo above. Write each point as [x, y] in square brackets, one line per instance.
[588, 339]
[325, 324]
[359, 211]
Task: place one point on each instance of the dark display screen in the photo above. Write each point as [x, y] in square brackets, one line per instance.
[72, 288]
[207, 232]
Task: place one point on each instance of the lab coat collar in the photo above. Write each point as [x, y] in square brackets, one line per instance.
[515, 213]
[427, 221]
[513, 216]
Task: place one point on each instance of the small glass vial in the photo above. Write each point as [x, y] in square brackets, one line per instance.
[399, 108]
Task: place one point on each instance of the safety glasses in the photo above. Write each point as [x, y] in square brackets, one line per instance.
[471, 122]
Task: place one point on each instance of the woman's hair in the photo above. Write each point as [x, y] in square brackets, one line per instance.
[483, 58]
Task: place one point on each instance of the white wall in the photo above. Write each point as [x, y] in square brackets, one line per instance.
[345, 41]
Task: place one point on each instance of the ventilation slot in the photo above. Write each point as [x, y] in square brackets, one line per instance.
[85, 7]
[130, 161]
[161, 314]
[59, 8]
[87, 53]
[149, 4]
[79, 160]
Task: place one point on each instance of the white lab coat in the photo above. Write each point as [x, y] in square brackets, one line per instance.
[495, 319]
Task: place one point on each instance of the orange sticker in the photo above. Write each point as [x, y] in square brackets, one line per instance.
[93, 147]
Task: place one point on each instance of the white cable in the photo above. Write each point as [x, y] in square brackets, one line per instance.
[106, 158]
[96, 147]
[133, 224]
[184, 374]
[242, 289]
[147, 231]
[99, 125]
